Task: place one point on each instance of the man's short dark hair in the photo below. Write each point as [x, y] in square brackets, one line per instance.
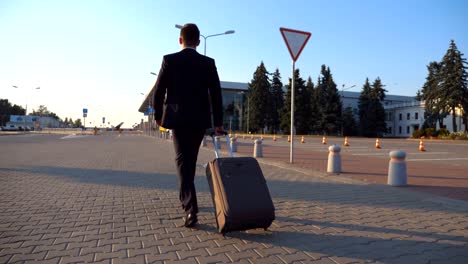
[190, 34]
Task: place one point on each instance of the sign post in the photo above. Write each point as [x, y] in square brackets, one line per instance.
[295, 41]
[85, 114]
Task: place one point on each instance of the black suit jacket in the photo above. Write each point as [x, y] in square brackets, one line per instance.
[185, 84]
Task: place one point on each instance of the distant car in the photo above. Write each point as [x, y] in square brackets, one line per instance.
[10, 128]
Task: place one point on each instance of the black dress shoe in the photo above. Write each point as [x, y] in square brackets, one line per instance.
[190, 220]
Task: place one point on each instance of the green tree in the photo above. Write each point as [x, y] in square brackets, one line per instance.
[431, 93]
[6, 109]
[363, 106]
[43, 111]
[453, 80]
[371, 111]
[313, 106]
[329, 103]
[277, 102]
[303, 114]
[299, 85]
[259, 96]
[77, 123]
[377, 94]
[350, 127]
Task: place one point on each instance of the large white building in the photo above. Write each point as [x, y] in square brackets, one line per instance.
[403, 119]
[403, 114]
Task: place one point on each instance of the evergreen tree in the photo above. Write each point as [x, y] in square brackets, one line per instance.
[329, 104]
[431, 93]
[363, 106]
[299, 84]
[350, 127]
[259, 95]
[303, 112]
[453, 80]
[371, 111]
[277, 102]
[313, 105]
[377, 97]
[319, 99]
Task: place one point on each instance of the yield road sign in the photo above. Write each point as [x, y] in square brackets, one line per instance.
[295, 40]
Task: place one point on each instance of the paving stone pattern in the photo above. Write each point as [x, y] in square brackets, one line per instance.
[110, 199]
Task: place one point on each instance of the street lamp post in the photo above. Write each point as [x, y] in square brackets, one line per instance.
[26, 109]
[219, 34]
[150, 113]
[342, 104]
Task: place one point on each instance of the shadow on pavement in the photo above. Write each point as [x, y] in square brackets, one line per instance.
[353, 246]
[367, 228]
[321, 192]
[458, 193]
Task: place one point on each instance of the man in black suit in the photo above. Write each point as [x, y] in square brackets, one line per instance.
[187, 83]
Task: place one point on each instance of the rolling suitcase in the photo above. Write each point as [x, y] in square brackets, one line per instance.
[240, 194]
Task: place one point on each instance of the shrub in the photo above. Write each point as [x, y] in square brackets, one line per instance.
[430, 132]
[443, 132]
[459, 135]
[418, 133]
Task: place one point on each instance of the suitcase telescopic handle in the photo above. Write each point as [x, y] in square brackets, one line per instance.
[212, 134]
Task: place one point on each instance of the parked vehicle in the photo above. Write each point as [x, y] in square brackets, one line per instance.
[10, 128]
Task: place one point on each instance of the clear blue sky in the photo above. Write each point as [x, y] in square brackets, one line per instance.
[98, 54]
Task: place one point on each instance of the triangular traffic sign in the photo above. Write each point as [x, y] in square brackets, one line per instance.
[295, 40]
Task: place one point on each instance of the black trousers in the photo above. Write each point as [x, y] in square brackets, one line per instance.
[186, 145]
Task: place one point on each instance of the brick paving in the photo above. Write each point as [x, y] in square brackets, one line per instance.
[111, 199]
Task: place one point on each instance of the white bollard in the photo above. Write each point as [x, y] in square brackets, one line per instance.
[203, 143]
[258, 152]
[234, 144]
[334, 159]
[397, 168]
[218, 142]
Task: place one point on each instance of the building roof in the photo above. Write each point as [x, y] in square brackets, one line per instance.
[388, 97]
[224, 85]
[234, 86]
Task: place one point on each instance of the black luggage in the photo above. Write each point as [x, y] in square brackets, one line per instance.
[240, 194]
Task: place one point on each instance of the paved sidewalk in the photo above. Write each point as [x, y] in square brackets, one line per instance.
[110, 199]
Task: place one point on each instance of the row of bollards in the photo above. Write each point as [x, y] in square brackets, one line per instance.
[324, 141]
[396, 168]
[258, 150]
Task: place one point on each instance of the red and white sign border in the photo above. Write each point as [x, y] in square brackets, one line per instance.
[308, 34]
